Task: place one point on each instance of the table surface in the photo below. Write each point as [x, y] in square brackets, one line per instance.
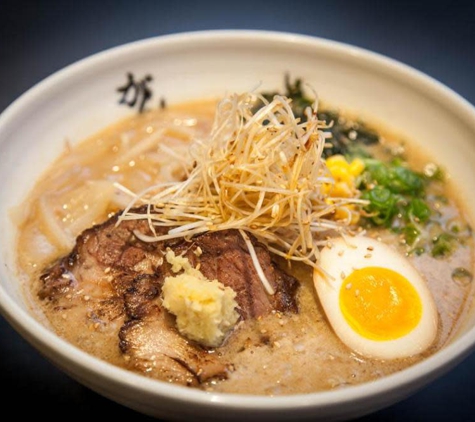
[38, 38]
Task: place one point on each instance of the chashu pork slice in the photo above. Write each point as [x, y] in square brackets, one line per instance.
[122, 277]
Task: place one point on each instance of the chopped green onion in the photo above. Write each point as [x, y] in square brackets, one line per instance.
[418, 208]
[382, 205]
[411, 233]
[442, 245]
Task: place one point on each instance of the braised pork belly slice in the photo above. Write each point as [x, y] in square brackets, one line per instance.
[119, 278]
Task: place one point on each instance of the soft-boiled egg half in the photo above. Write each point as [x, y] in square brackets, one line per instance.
[376, 301]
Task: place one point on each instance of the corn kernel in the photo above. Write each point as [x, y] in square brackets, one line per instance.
[341, 213]
[344, 174]
[355, 217]
[336, 160]
[356, 167]
[342, 190]
[341, 174]
[326, 188]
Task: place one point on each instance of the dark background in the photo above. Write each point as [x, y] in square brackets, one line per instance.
[38, 38]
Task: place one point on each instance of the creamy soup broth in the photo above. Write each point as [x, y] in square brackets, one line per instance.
[274, 355]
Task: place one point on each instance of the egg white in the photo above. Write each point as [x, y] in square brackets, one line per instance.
[339, 260]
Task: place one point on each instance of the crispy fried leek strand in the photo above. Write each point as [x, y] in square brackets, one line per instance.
[260, 172]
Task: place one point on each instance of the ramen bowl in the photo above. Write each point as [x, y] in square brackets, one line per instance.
[83, 98]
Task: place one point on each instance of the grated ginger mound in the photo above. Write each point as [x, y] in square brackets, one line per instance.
[205, 309]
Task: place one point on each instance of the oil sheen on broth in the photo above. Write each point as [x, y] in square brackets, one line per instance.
[287, 353]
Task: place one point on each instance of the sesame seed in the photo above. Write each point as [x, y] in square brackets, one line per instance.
[198, 251]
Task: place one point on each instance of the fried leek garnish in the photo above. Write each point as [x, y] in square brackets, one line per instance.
[260, 171]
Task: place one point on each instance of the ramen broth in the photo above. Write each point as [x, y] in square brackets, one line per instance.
[273, 355]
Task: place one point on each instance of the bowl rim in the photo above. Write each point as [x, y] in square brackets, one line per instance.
[39, 335]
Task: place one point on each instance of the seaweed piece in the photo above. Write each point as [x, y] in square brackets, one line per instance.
[346, 135]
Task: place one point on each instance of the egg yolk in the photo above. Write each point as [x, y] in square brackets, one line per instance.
[380, 304]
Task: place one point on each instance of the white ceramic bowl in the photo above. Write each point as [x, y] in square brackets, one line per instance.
[82, 98]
